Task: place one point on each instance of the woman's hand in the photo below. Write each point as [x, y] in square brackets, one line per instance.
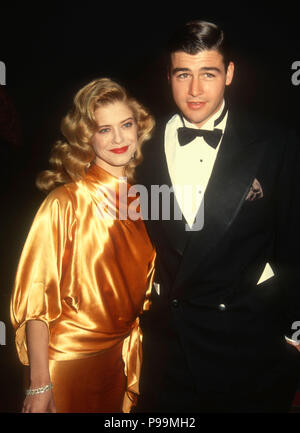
[39, 403]
[37, 342]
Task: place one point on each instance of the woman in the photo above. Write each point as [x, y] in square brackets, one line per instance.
[84, 271]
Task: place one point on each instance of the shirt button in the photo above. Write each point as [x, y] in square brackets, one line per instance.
[222, 307]
[175, 303]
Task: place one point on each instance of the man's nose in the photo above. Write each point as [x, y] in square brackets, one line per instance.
[196, 87]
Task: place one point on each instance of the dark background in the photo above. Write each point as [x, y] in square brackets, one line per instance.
[51, 51]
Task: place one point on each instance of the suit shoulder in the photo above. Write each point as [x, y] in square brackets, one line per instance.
[262, 127]
[160, 127]
[157, 138]
[283, 140]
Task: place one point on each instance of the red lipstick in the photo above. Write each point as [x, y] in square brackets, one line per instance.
[119, 149]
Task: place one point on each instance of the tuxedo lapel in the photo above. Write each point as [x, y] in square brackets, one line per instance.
[156, 175]
[234, 170]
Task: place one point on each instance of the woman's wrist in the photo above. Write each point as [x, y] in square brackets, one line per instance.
[39, 390]
[37, 342]
[38, 380]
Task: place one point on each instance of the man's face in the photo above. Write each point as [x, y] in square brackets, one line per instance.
[198, 83]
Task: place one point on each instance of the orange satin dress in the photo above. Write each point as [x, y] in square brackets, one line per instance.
[86, 271]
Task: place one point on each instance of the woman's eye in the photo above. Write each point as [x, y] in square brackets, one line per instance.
[103, 130]
[128, 124]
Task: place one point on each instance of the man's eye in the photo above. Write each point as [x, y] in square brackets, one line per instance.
[209, 75]
[183, 76]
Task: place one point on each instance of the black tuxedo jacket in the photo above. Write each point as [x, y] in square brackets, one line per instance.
[228, 330]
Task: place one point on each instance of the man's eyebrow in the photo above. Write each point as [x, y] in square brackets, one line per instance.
[204, 68]
[210, 68]
[176, 70]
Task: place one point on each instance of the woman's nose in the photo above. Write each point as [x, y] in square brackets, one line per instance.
[117, 136]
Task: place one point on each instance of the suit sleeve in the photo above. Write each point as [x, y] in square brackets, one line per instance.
[288, 233]
[36, 293]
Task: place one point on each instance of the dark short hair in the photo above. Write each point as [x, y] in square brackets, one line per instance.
[196, 36]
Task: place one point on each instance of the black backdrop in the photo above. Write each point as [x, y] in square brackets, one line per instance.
[51, 51]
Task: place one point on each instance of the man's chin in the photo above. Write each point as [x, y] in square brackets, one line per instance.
[197, 121]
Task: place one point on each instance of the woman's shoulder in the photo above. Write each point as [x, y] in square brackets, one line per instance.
[63, 196]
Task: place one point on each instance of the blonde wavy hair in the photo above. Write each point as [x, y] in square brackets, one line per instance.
[70, 157]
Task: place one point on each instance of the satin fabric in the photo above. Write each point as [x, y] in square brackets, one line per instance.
[86, 270]
[84, 385]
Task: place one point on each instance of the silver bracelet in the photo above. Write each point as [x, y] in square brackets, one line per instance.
[40, 390]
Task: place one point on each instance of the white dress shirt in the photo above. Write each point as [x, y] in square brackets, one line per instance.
[190, 166]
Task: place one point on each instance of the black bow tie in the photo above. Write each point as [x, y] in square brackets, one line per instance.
[186, 135]
[212, 137]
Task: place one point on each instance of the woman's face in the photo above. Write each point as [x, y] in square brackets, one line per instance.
[116, 139]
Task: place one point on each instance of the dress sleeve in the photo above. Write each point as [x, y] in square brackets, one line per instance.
[132, 354]
[36, 293]
[150, 277]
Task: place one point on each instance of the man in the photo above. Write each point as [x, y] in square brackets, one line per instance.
[226, 294]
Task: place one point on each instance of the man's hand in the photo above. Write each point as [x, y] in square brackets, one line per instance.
[293, 343]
